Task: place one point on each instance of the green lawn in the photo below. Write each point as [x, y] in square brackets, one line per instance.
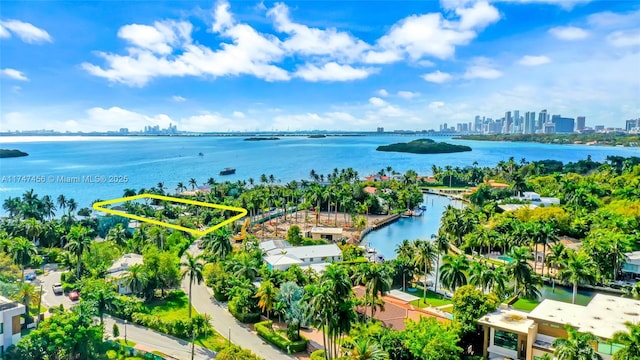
[432, 299]
[176, 306]
[525, 305]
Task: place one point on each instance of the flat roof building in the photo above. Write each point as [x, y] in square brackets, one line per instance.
[10, 312]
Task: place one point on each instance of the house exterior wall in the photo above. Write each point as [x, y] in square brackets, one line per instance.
[10, 320]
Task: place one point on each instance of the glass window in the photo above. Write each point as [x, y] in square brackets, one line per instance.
[1, 328]
[506, 340]
[608, 348]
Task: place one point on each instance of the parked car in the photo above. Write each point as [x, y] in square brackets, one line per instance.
[30, 276]
[74, 296]
[57, 288]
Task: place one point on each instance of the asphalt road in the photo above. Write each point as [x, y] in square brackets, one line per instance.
[49, 299]
[226, 324]
[168, 345]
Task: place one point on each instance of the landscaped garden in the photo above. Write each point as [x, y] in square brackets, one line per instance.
[432, 299]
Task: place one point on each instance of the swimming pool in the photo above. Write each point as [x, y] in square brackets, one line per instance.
[505, 258]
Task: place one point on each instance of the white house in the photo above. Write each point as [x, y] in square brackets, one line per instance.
[120, 268]
[281, 256]
[536, 199]
[10, 312]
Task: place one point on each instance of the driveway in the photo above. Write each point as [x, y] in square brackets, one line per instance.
[49, 299]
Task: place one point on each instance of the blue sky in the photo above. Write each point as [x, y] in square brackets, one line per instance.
[348, 65]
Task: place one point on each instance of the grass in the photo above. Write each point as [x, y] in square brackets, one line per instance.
[175, 306]
[432, 299]
[128, 343]
[525, 305]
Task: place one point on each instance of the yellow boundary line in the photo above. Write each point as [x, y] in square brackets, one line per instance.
[242, 212]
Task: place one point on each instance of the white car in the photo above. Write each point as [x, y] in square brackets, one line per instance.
[57, 288]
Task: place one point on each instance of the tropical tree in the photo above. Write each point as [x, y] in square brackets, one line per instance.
[136, 278]
[577, 346]
[101, 293]
[219, 243]
[266, 296]
[520, 270]
[22, 251]
[365, 349]
[425, 254]
[28, 296]
[630, 340]
[377, 281]
[78, 241]
[192, 268]
[453, 272]
[578, 268]
[118, 234]
[441, 242]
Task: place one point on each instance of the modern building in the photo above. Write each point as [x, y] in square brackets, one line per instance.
[519, 335]
[327, 233]
[280, 255]
[10, 312]
[632, 124]
[543, 118]
[580, 123]
[563, 125]
[120, 268]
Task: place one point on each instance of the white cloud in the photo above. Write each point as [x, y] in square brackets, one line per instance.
[238, 114]
[178, 98]
[381, 57]
[14, 74]
[313, 41]
[422, 35]
[222, 17]
[435, 105]
[333, 72]
[565, 4]
[481, 72]
[383, 93]
[250, 53]
[478, 16]
[376, 101]
[408, 94]
[437, 77]
[533, 60]
[624, 38]
[160, 38]
[569, 33]
[25, 31]
[608, 19]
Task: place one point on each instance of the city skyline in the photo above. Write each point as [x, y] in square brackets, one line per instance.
[258, 66]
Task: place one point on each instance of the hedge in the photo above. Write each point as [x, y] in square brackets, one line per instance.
[247, 318]
[264, 329]
[317, 355]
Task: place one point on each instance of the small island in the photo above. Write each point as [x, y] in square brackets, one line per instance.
[424, 146]
[6, 153]
[259, 138]
[317, 136]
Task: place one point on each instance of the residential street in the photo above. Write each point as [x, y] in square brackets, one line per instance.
[168, 345]
[49, 299]
[225, 323]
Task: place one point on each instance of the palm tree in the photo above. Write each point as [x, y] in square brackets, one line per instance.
[244, 265]
[62, 202]
[219, 243]
[136, 278]
[578, 268]
[365, 349]
[78, 240]
[72, 205]
[266, 296]
[453, 272]
[577, 346]
[545, 235]
[193, 183]
[630, 340]
[480, 275]
[441, 242]
[118, 234]
[193, 269]
[377, 281]
[520, 269]
[28, 296]
[22, 250]
[33, 229]
[426, 254]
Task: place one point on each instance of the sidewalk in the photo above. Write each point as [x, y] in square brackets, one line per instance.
[224, 323]
[166, 344]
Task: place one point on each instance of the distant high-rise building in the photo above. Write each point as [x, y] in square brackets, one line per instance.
[549, 128]
[580, 123]
[508, 121]
[529, 122]
[380, 130]
[563, 125]
[598, 127]
[630, 124]
[543, 118]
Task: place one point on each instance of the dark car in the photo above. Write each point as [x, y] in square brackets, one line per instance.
[30, 276]
[74, 296]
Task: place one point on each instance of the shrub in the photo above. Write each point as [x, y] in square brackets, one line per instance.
[243, 316]
[317, 355]
[236, 353]
[265, 331]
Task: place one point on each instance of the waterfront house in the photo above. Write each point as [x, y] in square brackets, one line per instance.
[529, 336]
[279, 255]
[10, 312]
[120, 268]
[631, 266]
[370, 190]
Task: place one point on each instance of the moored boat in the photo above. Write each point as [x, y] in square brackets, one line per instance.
[228, 171]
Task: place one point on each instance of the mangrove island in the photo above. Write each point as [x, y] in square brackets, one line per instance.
[6, 153]
[424, 146]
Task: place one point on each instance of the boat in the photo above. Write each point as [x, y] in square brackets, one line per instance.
[417, 211]
[228, 171]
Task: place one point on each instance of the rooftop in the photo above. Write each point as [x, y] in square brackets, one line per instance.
[121, 265]
[326, 230]
[282, 259]
[7, 304]
[508, 319]
[603, 316]
[272, 246]
[633, 256]
[514, 207]
[314, 251]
